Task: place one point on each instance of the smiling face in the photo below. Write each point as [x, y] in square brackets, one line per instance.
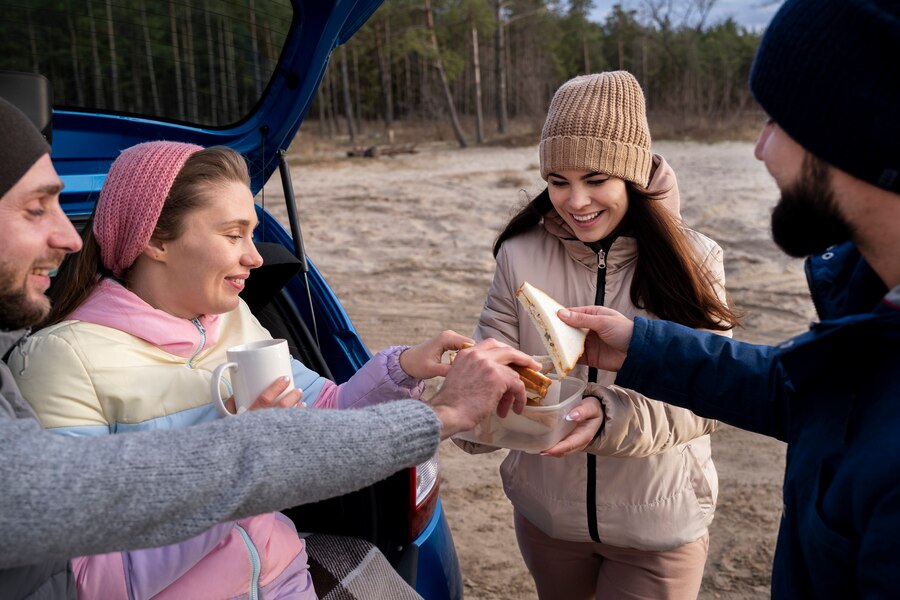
[35, 235]
[203, 270]
[592, 204]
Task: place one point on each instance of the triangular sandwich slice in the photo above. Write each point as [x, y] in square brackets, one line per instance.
[564, 343]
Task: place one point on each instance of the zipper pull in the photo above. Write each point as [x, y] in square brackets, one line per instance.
[199, 326]
[601, 259]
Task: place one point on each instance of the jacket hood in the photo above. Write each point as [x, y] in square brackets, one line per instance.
[113, 305]
[663, 187]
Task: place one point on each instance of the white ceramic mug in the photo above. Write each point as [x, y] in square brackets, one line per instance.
[256, 366]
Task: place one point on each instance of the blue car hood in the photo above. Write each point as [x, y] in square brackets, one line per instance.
[85, 143]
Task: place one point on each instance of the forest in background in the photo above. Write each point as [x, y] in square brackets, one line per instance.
[479, 71]
[477, 65]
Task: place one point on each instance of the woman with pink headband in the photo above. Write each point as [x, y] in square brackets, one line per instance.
[141, 317]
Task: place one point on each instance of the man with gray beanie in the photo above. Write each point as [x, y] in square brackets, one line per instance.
[63, 496]
[826, 73]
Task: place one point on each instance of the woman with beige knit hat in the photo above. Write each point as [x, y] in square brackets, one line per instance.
[620, 508]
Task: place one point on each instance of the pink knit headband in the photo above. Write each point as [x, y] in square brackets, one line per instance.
[132, 198]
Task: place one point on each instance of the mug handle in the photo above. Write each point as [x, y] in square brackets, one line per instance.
[215, 388]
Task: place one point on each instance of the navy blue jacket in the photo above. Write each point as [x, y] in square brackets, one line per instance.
[833, 394]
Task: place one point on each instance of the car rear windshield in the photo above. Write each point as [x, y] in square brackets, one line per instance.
[204, 62]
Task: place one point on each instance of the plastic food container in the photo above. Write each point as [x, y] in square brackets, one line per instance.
[538, 427]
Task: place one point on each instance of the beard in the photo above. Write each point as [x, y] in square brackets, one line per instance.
[17, 309]
[806, 220]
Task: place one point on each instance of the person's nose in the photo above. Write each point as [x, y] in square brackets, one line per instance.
[251, 257]
[579, 197]
[764, 134]
[63, 235]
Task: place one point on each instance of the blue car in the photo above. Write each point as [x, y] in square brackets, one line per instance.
[240, 73]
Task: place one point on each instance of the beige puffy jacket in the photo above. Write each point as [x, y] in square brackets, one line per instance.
[655, 484]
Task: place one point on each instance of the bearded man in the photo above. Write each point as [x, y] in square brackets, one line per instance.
[826, 74]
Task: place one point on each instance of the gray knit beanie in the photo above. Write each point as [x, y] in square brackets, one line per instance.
[598, 123]
[22, 146]
[826, 72]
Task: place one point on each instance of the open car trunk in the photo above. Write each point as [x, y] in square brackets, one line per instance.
[240, 73]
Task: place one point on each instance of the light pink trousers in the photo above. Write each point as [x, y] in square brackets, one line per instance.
[587, 570]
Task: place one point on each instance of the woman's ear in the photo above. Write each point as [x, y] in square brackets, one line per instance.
[156, 250]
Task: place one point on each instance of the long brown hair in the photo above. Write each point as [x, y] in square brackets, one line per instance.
[670, 280]
[80, 273]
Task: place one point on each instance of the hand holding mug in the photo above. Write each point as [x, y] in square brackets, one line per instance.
[255, 366]
[279, 395]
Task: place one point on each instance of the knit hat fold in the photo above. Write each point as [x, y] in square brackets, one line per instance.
[598, 123]
[132, 199]
[22, 146]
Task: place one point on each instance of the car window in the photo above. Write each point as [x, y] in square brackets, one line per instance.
[205, 62]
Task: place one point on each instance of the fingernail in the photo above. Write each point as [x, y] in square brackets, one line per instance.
[564, 313]
[573, 416]
[544, 454]
[285, 378]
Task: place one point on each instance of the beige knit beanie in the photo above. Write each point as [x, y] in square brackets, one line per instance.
[599, 123]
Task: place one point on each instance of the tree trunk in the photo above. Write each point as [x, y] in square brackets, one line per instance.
[384, 72]
[188, 32]
[95, 54]
[407, 89]
[587, 54]
[223, 72]
[176, 56]
[357, 92]
[332, 104]
[348, 103]
[476, 70]
[454, 120]
[257, 77]
[238, 110]
[151, 71]
[500, 68]
[113, 59]
[320, 104]
[79, 83]
[211, 67]
[32, 43]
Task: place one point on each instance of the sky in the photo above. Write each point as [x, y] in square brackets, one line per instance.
[752, 14]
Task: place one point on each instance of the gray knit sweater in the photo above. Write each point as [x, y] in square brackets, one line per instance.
[63, 496]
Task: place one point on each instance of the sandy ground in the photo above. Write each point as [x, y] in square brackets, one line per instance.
[405, 242]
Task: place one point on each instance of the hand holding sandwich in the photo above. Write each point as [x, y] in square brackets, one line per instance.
[424, 360]
[610, 334]
[480, 381]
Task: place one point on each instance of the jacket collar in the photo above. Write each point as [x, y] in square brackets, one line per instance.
[842, 283]
[113, 305]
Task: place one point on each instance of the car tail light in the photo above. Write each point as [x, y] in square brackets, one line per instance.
[426, 479]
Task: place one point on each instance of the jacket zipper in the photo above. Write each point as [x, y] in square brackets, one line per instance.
[254, 563]
[202, 330]
[591, 491]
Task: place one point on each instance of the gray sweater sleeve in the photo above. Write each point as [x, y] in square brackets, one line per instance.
[62, 496]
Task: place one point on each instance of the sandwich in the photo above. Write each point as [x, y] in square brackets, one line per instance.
[536, 383]
[564, 343]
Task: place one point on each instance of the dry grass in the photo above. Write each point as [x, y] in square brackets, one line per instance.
[311, 146]
[739, 127]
